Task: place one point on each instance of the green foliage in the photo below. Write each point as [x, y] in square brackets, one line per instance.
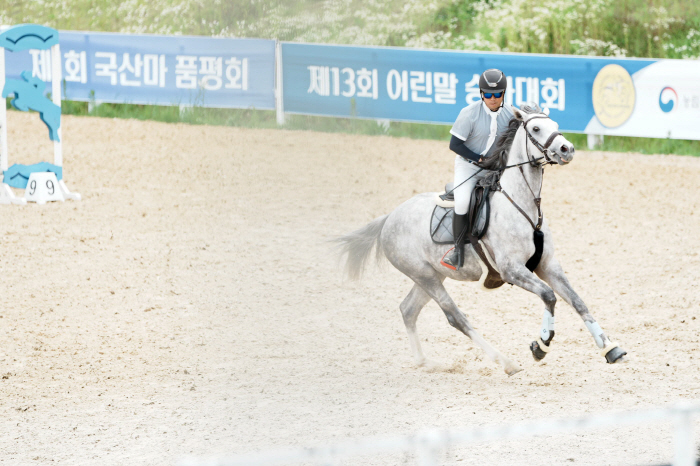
[252, 118]
[637, 28]
[640, 145]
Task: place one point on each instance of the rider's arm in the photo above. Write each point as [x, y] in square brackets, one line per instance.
[457, 146]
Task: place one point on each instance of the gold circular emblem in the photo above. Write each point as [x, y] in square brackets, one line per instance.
[613, 96]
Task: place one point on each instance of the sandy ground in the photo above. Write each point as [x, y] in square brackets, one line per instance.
[190, 303]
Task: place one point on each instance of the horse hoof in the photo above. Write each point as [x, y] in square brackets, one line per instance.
[493, 282]
[513, 370]
[537, 352]
[615, 355]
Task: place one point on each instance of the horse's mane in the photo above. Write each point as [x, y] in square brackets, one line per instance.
[499, 159]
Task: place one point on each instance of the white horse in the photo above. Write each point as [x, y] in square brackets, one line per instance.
[404, 238]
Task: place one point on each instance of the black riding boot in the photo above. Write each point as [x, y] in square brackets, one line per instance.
[455, 260]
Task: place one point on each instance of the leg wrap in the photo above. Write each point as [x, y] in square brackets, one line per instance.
[539, 349]
[607, 349]
[547, 331]
[543, 347]
[597, 333]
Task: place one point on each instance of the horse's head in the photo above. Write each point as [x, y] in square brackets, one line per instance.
[544, 136]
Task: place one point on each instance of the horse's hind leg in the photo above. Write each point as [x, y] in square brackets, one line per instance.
[410, 308]
[435, 289]
[552, 273]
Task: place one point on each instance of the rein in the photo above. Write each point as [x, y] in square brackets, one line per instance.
[460, 184]
[544, 149]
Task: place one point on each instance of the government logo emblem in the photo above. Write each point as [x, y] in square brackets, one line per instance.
[667, 99]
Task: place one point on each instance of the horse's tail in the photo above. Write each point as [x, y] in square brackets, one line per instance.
[358, 245]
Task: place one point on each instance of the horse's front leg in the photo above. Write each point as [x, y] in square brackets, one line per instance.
[519, 275]
[551, 272]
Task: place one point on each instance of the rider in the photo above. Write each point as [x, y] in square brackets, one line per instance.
[474, 133]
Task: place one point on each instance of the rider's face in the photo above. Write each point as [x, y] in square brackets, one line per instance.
[493, 103]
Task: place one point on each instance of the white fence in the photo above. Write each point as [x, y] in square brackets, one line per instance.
[428, 444]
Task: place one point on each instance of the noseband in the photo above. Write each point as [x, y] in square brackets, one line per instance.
[542, 148]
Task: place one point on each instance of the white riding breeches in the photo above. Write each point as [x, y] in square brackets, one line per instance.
[463, 193]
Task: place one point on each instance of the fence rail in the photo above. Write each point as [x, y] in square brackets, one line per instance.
[428, 444]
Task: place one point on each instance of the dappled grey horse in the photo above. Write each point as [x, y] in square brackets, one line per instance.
[404, 238]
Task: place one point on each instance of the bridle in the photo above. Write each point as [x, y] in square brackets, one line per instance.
[544, 149]
[540, 162]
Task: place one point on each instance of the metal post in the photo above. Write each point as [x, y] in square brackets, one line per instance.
[279, 101]
[685, 447]
[93, 104]
[428, 448]
[185, 109]
[56, 78]
[6, 194]
[594, 140]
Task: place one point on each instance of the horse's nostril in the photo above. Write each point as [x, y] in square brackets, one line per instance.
[564, 149]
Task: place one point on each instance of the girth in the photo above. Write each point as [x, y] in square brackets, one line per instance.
[480, 208]
[537, 235]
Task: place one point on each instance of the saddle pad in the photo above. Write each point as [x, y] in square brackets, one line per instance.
[441, 225]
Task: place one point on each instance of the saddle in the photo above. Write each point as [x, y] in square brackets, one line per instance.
[477, 221]
[477, 215]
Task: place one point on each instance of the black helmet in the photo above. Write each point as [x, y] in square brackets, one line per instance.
[493, 80]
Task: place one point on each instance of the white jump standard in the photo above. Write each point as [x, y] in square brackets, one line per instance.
[28, 94]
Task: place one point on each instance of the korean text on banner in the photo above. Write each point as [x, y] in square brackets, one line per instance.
[161, 70]
[433, 86]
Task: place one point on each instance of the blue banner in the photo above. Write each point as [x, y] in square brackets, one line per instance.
[433, 86]
[158, 70]
[627, 97]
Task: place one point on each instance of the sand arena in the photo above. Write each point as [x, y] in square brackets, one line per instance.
[190, 303]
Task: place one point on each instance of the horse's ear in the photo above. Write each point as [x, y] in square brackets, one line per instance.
[517, 114]
[546, 111]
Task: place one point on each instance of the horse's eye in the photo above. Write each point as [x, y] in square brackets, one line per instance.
[536, 129]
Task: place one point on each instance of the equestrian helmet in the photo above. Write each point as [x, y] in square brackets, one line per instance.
[493, 80]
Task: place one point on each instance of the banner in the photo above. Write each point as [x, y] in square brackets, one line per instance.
[158, 70]
[595, 95]
[661, 100]
[632, 97]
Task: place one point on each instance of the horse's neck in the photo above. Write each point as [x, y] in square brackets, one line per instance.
[512, 181]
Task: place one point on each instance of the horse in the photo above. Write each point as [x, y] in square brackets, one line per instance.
[403, 236]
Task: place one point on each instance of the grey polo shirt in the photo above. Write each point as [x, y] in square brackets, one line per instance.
[473, 126]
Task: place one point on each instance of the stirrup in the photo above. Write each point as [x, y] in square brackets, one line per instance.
[451, 262]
